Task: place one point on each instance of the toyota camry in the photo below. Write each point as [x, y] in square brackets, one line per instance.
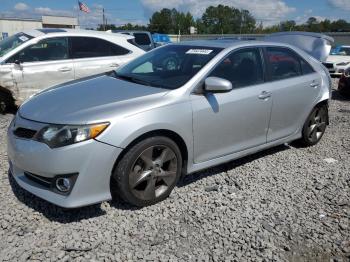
[173, 111]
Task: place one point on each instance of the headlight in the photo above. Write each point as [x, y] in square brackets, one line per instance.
[59, 135]
[343, 63]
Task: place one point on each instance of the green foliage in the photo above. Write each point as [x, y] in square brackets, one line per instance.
[127, 26]
[223, 19]
[171, 22]
[226, 20]
[311, 25]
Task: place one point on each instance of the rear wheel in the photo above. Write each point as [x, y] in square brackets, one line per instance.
[149, 171]
[315, 126]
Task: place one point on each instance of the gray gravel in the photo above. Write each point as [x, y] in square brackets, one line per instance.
[284, 204]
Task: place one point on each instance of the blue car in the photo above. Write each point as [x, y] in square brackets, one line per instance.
[161, 39]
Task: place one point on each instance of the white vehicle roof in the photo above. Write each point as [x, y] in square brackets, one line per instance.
[39, 34]
[70, 32]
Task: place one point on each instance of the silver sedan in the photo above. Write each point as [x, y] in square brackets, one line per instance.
[173, 111]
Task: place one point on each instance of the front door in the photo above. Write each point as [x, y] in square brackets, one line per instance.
[225, 123]
[42, 65]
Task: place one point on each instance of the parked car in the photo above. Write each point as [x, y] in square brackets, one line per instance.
[161, 39]
[135, 133]
[34, 60]
[335, 50]
[344, 83]
[143, 39]
[338, 61]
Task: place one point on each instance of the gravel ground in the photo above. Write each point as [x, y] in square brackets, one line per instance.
[284, 204]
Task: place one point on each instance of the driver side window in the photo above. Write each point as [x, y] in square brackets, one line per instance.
[46, 50]
[242, 68]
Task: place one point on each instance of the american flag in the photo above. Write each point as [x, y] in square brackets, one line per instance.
[83, 7]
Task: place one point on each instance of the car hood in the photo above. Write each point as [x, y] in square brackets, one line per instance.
[91, 100]
[338, 58]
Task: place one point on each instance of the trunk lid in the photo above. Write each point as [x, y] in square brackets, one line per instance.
[315, 44]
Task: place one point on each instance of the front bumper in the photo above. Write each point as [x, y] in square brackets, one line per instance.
[334, 69]
[93, 161]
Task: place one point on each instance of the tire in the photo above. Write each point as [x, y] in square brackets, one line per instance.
[6, 102]
[148, 171]
[314, 126]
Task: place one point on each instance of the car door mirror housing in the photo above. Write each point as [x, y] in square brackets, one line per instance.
[217, 85]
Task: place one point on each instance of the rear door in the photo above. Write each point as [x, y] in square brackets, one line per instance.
[42, 65]
[93, 56]
[294, 86]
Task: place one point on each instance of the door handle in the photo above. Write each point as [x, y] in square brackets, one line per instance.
[65, 69]
[264, 95]
[114, 65]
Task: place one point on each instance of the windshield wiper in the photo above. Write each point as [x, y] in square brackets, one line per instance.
[136, 80]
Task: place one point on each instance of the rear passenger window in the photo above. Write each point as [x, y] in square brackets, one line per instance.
[142, 39]
[283, 63]
[85, 47]
[241, 68]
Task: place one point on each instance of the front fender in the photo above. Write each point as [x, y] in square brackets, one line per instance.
[176, 118]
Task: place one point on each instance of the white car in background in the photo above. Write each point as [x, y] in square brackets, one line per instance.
[339, 61]
[37, 59]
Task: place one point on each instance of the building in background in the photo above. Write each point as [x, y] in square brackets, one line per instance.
[10, 26]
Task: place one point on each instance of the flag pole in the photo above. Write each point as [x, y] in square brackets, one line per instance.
[78, 13]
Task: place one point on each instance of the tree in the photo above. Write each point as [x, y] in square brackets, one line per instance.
[340, 26]
[227, 20]
[161, 22]
[247, 22]
[288, 25]
[171, 21]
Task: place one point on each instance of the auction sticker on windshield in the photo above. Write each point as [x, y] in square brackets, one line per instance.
[23, 38]
[199, 51]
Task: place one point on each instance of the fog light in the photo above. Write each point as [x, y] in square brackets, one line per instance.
[63, 184]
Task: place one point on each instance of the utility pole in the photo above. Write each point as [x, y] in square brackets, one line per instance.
[240, 28]
[103, 18]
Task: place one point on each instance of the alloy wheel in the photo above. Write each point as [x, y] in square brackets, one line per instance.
[317, 125]
[153, 172]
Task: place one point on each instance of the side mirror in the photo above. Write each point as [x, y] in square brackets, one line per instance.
[217, 85]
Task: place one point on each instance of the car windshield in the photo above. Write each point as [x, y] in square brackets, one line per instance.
[12, 42]
[169, 67]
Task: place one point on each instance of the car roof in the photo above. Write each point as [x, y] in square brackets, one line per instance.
[78, 32]
[130, 31]
[228, 43]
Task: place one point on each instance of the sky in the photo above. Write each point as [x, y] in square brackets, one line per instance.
[139, 11]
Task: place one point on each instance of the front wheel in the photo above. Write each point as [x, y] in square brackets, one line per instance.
[149, 171]
[315, 126]
[6, 102]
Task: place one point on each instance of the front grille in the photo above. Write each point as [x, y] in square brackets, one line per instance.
[44, 181]
[328, 65]
[24, 133]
